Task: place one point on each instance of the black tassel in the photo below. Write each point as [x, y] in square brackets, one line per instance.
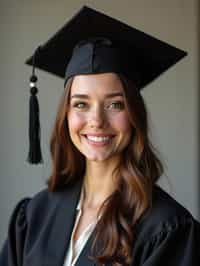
[35, 154]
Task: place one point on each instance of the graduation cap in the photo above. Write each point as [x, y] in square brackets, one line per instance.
[93, 42]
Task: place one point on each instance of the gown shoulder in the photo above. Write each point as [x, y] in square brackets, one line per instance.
[29, 223]
[12, 250]
[167, 234]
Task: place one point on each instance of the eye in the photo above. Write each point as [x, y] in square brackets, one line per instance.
[80, 105]
[116, 105]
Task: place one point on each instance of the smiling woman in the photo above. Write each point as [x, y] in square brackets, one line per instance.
[102, 205]
[106, 131]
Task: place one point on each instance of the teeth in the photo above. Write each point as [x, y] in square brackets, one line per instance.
[98, 139]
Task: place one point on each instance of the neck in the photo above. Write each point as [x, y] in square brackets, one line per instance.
[99, 183]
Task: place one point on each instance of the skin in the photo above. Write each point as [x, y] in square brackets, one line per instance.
[94, 111]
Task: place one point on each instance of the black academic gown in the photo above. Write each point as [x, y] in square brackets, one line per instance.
[40, 229]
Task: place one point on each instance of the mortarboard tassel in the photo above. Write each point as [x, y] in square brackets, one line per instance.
[34, 155]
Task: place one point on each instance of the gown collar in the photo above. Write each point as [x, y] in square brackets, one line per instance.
[62, 226]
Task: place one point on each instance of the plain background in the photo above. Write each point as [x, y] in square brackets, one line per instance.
[172, 100]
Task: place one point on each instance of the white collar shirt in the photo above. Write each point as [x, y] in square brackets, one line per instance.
[75, 249]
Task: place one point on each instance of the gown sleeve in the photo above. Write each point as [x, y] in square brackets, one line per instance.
[178, 244]
[12, 251]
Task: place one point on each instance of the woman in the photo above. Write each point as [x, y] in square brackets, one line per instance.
[102, 206]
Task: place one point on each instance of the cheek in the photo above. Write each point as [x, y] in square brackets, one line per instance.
[75, 122]
[121, 122]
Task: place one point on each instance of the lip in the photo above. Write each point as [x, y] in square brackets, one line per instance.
[98, 135]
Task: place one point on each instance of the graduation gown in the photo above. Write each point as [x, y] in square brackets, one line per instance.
[40, 229]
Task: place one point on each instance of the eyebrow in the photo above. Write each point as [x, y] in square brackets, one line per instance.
[85, 96]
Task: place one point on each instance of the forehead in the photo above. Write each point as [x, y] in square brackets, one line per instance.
[96, 84]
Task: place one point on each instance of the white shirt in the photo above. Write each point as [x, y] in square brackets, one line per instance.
[72, 255]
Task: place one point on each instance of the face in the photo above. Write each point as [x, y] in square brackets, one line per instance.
[97, 117]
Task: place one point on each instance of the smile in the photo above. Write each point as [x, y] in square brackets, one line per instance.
[98, 140]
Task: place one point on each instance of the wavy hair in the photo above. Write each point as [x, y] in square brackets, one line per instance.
[136, 173]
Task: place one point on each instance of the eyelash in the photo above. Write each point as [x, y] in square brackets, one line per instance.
[120, 105]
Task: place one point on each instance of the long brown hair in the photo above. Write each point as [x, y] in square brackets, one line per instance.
[138, 170]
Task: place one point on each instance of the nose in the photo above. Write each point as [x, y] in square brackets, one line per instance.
[97, 118]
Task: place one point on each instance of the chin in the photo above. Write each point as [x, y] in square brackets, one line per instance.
[100, 158]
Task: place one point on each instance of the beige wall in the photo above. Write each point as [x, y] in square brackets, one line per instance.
[172, 100]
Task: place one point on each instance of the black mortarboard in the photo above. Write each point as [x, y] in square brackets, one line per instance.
[92, 42]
